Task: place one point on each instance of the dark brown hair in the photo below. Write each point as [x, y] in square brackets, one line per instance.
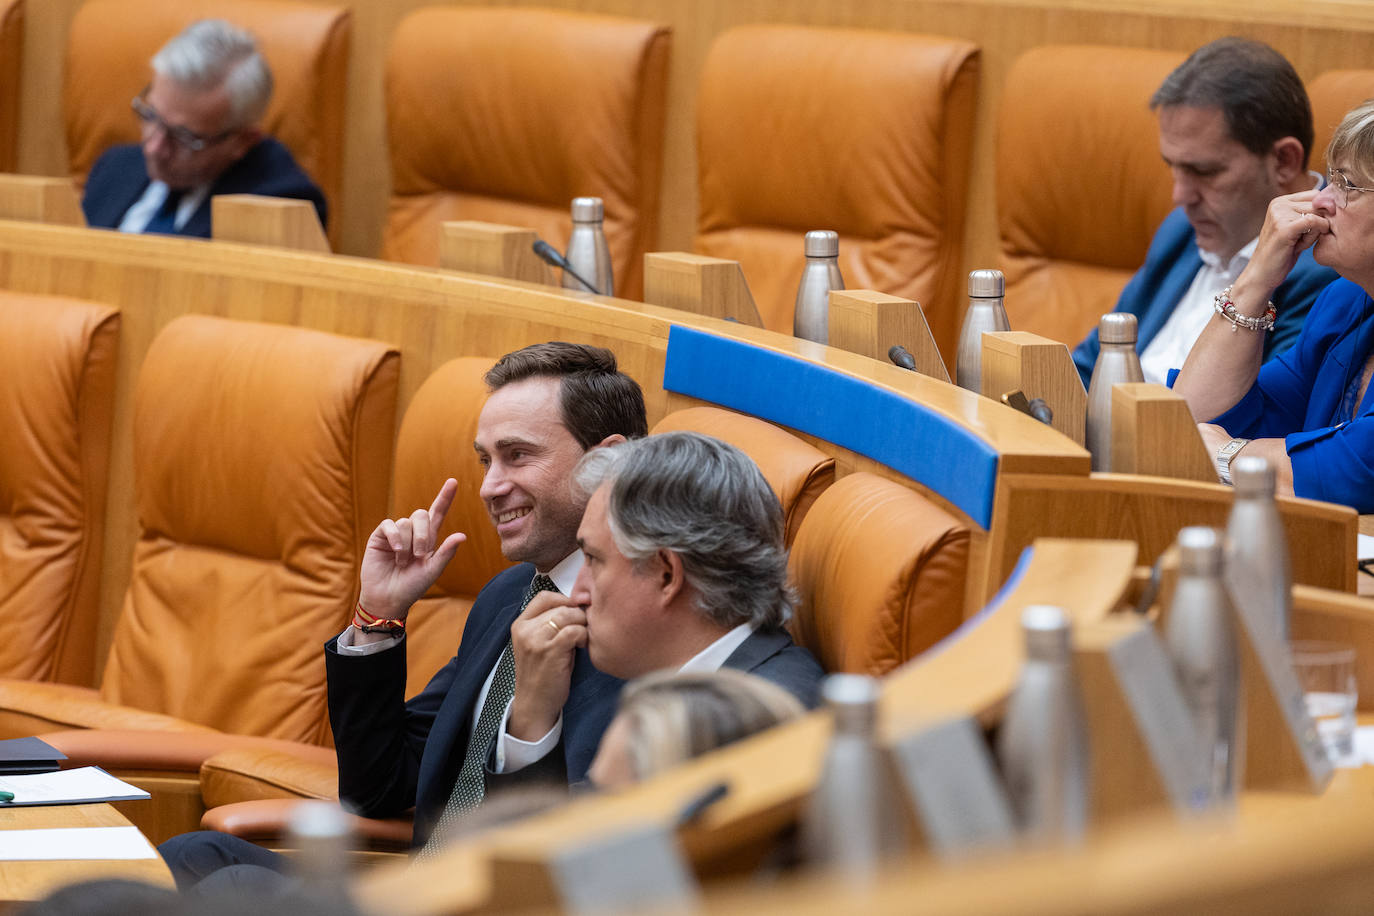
[596, 399]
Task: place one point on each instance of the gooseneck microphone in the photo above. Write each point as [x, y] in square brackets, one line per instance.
[1041, 411]
[550, 256]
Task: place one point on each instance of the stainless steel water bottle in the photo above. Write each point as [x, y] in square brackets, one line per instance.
[1043, 740]
[811, 314]
[1257, 564]
[587, 251]
[985, 313]
[1201, 635]
[856, 817]
[1117, 362]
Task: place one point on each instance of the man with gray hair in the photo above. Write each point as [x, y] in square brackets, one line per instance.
[685, 570]
[200, 119]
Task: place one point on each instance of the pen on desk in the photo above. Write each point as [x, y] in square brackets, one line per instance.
[698, 804]
[6, 796]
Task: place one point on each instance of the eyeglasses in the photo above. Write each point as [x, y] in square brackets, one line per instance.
[1341, 187]
[186, 139]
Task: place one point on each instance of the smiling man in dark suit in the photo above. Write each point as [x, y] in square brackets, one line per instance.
[201, 137]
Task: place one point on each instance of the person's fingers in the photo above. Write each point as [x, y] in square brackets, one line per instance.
[401, 546]
[389, 532]
[446, 552]
[439, 508]
[542, 603]
[420, 533]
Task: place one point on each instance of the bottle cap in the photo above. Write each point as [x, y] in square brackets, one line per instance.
[822, 243]
[1199, 551]
[1253, 476]
[587, 210]
[986, 284]
[850, 690]
[1046, 628]
[1117, 328]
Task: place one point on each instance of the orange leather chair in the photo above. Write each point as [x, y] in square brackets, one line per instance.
[306, 45]
[881, 572]
[262, 455]
[797, 471]
[865, 133]
[506, 115]
[1333, 94]
[435, 443]
[57, 379]
[11, 49]
[1080, 186]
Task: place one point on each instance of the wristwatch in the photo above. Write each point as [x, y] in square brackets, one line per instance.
[1224, 456]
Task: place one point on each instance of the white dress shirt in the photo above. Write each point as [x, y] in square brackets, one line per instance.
[1170, 346]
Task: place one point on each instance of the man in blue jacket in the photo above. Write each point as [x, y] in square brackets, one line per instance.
[200, 137]
[1235, 129]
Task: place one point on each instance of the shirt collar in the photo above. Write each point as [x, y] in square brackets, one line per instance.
[564, 574]
[1237, 262]
[714, 656]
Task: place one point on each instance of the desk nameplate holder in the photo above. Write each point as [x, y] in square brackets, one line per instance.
[634, 869]
[953, 788]
[1283, 749]
[1145, 748]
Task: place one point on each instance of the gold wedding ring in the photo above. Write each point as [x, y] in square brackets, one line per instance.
[552, 624]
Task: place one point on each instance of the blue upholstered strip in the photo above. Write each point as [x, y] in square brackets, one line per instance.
[896, 431]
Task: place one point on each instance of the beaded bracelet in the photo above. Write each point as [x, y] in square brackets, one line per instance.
[1224, 307]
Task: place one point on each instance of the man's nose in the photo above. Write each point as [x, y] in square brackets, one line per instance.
[156, 141]
[1185, 189]
[494, 482]
[582, 590]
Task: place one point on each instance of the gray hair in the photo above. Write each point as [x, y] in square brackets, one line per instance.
[212, 53]
[707, 502]
[1353, 142]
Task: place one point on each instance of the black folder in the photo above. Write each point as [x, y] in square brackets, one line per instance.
[28, 755]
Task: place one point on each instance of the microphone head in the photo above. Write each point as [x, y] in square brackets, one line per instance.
[549, 254]
[900, 356]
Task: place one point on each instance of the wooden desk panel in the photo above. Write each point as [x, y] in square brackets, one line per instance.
[25, 881]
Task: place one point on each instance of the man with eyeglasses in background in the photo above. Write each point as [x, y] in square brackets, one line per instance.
[201, 137]
[1235, 130]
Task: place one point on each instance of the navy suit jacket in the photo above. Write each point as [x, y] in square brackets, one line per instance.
[120, 176]
[1169, 268]
[773, 656]
[395, 754]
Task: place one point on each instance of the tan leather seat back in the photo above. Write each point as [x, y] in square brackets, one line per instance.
[11, 51]
[881, 572]
[306, 44]
[1333, 94]
[865, 133]
[1080, 185]
[435, 443]
[261, 460]
[506, 115]
[797, 471]
[57, 371]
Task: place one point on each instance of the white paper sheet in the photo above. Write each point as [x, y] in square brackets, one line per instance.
[67, 787]
[1364, 547]
[74, 843]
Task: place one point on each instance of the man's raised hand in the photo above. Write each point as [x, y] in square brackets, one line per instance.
[401, 561]
[544, 639]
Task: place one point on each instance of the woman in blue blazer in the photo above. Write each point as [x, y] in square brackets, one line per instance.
[1308, 411]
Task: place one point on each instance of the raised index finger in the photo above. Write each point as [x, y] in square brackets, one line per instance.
[439, 508]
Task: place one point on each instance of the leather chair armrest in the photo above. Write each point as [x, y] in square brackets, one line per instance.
[32, 707]
[252, 773]
[137, 749]
[265, 820]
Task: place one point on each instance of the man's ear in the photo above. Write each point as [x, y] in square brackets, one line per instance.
[612, 439]
[1288, 159]
[671, 578]
[246, 139]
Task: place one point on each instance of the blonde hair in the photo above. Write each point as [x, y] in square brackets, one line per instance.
[1353, 142]
[671, 717]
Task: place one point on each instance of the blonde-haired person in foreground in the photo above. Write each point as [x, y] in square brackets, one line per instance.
[668, 717]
